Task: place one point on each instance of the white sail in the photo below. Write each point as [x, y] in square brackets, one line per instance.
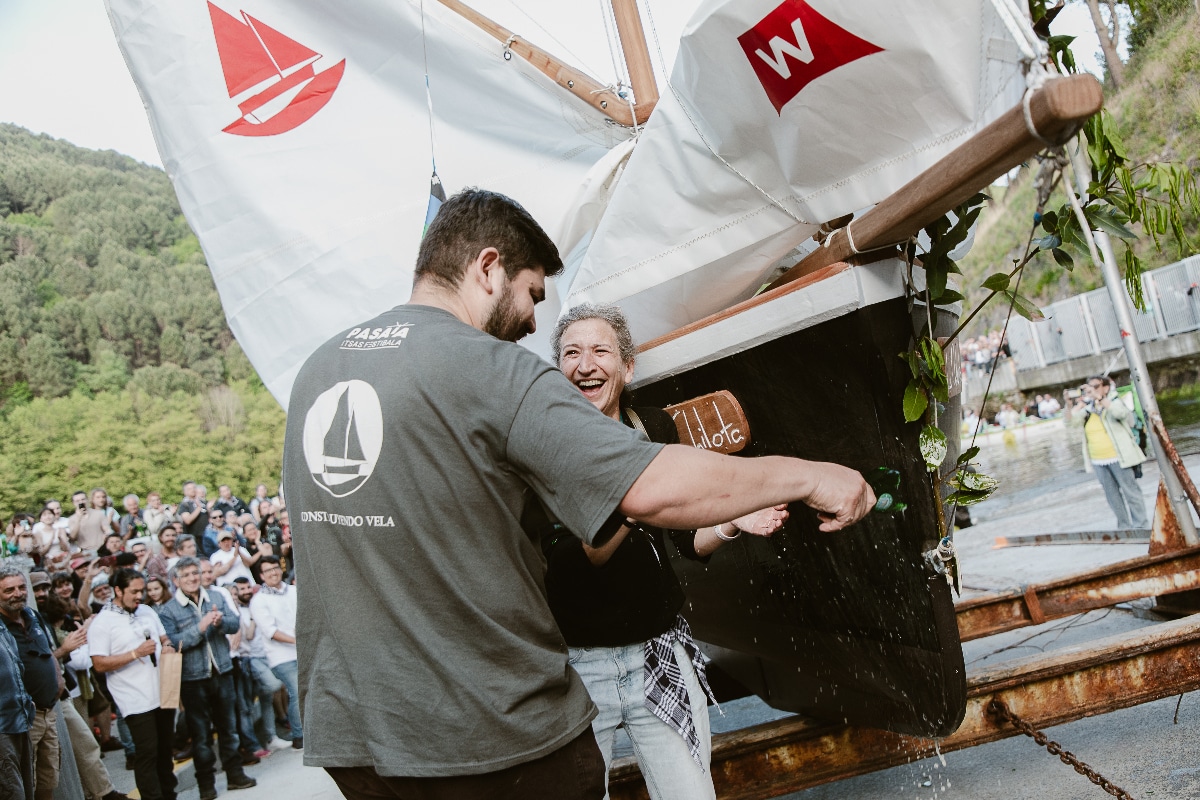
[312, 228]
[780, 116]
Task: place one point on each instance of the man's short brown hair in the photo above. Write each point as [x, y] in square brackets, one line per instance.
[475, 219]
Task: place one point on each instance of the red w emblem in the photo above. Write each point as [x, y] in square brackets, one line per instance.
[794, 45]
[273, 73]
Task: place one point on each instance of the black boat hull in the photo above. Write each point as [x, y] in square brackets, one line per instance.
[853, 626]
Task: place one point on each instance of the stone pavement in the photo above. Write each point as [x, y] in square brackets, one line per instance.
[281, 775]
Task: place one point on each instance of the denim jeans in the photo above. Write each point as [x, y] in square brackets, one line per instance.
[153, 769]
[614, 677]
[243, 684]
[1123, 495]
[265, 687]
[286, 673]
[212, 702]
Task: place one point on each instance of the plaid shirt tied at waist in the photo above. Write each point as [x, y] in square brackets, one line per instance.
[665, 689]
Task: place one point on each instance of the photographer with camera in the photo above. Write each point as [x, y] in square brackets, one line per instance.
[1110, 449]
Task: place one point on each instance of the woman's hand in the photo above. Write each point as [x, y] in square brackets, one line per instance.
[763, 522]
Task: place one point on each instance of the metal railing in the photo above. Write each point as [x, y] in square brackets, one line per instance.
[1086, 324]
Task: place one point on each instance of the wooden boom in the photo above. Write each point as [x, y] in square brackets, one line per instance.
[1054, 109]
[575, 81]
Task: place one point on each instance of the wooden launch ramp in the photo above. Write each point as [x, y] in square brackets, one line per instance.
[1105, 675]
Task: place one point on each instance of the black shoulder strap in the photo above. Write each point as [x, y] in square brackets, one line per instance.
[655, 423]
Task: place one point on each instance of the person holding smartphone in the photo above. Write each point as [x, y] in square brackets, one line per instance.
[1110, 450]
[90, 524]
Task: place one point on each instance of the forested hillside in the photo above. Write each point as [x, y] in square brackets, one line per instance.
[116, 366]
[1157, 113]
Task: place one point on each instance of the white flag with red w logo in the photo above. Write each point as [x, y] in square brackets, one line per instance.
[781, 115]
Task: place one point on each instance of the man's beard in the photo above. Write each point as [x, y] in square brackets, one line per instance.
[503, 321]
[12, 607]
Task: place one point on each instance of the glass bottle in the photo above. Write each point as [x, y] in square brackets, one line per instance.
[885, 482]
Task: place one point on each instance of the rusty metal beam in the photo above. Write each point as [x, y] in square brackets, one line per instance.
[1132, 536]
[1148, 576]
[775, 758]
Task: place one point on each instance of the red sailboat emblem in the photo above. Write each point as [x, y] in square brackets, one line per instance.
[272, 75]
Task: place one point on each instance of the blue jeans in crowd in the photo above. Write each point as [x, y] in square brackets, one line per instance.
[243, 684]
[265, 687]
[614, 679]
[123, 734]
[212, 703]
[1124, 496]
[286, 673]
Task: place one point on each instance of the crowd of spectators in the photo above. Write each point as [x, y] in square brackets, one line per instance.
[215, 579]
[979, 353]
[1036, 407]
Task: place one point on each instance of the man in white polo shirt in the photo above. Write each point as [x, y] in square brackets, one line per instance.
[124, 641]
[274, 612]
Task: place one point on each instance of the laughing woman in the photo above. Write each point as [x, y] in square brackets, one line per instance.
[618, 605]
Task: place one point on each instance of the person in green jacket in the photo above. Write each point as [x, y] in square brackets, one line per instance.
[1110, 449]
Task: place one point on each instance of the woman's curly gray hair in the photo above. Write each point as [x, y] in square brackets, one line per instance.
[608, 313]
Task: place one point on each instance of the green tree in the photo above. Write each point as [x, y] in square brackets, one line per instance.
[48, 369]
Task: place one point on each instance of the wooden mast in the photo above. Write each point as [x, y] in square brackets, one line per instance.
[637, 55]
[575, 81]
[1054, 109]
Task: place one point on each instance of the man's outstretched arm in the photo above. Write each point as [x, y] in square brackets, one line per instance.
[684, 487]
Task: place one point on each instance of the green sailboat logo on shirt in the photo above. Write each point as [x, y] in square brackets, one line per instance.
[343, 435]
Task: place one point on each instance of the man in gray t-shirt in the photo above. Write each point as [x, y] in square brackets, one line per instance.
[414, 441]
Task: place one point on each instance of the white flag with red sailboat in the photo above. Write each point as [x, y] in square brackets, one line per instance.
[296, 134]
[781, 115]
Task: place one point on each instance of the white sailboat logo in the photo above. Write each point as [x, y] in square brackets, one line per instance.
[343, 435]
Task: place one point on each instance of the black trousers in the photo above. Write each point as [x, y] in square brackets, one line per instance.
[574, 771]
[212, 702]
[153, 769]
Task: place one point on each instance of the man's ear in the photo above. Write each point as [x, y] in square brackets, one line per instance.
[487, 270]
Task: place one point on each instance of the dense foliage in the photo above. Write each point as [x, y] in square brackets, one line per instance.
[1156, 119]
[116, 365]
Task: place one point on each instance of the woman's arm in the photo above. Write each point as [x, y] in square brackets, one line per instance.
[599, 556]
[759, 523]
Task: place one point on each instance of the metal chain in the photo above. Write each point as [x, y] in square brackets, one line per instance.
[997, 708]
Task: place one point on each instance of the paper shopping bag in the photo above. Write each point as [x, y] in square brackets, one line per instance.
[170, 671]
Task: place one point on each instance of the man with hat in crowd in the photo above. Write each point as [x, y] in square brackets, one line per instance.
[101, 592]
[40, 582]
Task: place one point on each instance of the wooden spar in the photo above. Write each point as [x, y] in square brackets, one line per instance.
[578, 83]
[1055, 109]
[637, 55]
